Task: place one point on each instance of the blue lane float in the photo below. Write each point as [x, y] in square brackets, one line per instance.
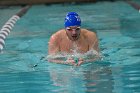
[6, 29]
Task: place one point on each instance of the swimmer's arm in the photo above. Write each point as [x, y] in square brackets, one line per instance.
[96, 46]
[59, 61]
[82, 61]
[91, 60]
[53, 45]
[93, 43]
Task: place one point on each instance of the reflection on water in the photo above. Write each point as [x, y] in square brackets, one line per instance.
[88, 78]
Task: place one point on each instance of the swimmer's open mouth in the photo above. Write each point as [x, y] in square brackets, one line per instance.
[74, 37]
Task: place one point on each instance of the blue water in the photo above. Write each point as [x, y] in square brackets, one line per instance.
[117, 27]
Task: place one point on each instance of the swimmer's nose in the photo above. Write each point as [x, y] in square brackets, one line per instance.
[73, 31]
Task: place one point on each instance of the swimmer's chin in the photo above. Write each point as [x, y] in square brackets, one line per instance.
[74, 38]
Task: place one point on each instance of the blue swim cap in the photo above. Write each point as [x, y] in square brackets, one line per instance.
[72, 19]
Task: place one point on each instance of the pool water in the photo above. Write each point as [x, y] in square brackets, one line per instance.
[117, 28]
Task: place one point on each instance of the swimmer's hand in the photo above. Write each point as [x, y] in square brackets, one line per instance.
[71, 61]
[80, 61]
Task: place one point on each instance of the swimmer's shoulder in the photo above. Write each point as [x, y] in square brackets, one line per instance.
[57, 35]
[88, 33]
[59, 32]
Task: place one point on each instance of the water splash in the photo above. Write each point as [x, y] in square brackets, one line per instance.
[75, 55]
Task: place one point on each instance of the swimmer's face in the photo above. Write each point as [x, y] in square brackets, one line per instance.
[73, 32]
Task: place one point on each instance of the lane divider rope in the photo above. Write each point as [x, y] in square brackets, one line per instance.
[8, 26]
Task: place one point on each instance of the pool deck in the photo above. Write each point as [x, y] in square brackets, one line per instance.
[30, 2]
[25, 2]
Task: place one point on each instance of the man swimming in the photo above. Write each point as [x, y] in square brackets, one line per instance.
[72, 39]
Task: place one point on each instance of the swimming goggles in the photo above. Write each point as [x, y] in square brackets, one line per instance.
[71, 29]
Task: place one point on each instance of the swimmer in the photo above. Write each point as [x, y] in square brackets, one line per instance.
[72, 39]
